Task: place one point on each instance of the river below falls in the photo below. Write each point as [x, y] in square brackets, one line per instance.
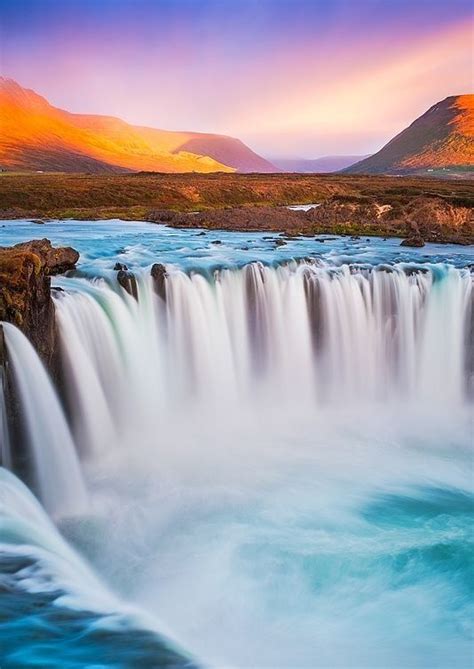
[271, 467]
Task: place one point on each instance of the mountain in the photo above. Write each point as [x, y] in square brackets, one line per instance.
[440, 140]
[313, 166]
[226, 150]
[37, 136]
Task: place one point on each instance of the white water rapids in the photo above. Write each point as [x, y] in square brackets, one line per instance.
[244, 442]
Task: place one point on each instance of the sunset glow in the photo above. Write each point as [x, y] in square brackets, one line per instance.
[290, 78]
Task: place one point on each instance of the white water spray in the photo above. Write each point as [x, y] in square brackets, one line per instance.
[298, 334]
[55, 462]
[255, 444]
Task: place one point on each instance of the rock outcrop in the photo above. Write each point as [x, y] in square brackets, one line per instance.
[25, 301]
[278, 219]
[415, 241]
[433, 219]
[158, 273]
[128, 282]
[25, 290]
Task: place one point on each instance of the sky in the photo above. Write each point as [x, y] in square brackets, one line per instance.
[291, 78]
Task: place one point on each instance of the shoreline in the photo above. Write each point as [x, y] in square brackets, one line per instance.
[414, 208]
[424, 221]
[265, 221]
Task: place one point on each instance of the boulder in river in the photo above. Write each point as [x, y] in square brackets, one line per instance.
[128, 282]
[158, 273]
[416, 241]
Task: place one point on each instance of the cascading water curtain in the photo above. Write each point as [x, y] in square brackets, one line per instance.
[325, 334]
[297, 333]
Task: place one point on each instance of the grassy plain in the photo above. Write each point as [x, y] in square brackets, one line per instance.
[133, 196]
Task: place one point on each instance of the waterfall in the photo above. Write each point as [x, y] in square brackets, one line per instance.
[299, 334]
[295, 333]
[27, 530]
[41, 569]
[271, 453]
[5, 447]
[55, 462]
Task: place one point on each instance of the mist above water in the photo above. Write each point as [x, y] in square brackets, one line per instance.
[276, 459]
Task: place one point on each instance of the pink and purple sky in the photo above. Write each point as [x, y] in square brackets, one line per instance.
[289, 77]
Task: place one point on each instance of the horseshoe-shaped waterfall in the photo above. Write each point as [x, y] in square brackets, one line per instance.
[253, 464]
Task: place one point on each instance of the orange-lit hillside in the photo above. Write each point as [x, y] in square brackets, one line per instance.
[464, 119]
[37, 136]
[442, 137]
[454, 145]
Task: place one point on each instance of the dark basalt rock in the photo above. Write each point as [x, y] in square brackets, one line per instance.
[388, 269]
[120, 266]
[216, 242]
[38, 221]
[410, 271]
[128, 282]
[415, 241]
[158, 272]
[280, 242]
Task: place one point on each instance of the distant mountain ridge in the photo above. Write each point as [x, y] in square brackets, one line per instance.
[316, 165]
[38, 136]
[441, 139]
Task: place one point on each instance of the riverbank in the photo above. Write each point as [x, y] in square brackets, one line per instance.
[417, 221]
[417, 208]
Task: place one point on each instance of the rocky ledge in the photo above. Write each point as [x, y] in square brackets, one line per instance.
[419, 219]
[25, 290]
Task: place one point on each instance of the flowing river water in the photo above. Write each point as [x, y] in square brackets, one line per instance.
[266, 464]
